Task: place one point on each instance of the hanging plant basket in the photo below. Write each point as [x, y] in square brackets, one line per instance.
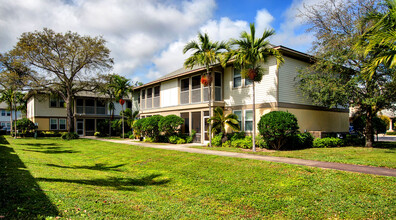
[206, 80]
[251, 74]
[121, 101]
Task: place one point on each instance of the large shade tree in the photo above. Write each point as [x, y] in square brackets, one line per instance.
[205, 53]
[250, 54]
[66, 63]
[342, 74]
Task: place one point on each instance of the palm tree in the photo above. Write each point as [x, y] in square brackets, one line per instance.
[205, 53]
[130, 116]
[12, 98]
[250, 53]
[380, 39]
[122, 87]
[220, 120]
[108, 88]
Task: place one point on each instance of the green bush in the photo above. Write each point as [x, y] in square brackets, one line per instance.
[379, 125]
[49, 134]
[103, 127]
[300, 141]
[148, 139]
[181, 141]
[137, 127]
[127, 134]
[245, 143]
[24, 125]
[97, 134]
[353, 140]
[69, 136]
[190, 138]
[236, 136]
[327, 142]
[260, 142]
[132, 136]
[170, 124]
[277, 127]
[216, 140]
[3, 140]
[226, 144]
[150, 127]
[391, 133]
[174, 139]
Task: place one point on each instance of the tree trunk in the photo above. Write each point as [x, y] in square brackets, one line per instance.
[11, 132]
[123, 129]
[69, 113]
[15, 119]
[210, 109]
[254, 120]
[369, 129]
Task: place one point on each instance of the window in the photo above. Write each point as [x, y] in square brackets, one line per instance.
[3, 113]
[239, 114]
[8, 113]
[185, 128]
[53, 124]
[128, 104]
[80, 106]
[100, 107]
[237, 78]
[143, 106]
[56, 102]
[248, 82]
[196, 89]
[248, 120]
[8, 125]
[62, 124]
[89, 106]
[184, 91]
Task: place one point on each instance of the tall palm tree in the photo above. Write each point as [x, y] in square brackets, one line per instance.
[130, 116]
[220, 120]
[205, 53]
[380, 39]
[122, 88]
[108, 88]
[12, 98]
[250, 53]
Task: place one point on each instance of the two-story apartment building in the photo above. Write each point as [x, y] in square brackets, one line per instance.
[181, 93]
[49, 112]
[5, 116]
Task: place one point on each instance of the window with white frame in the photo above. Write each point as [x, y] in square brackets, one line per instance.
[218, 84]
[56, 102]
[143, 103]
[185, 91]
[3, 112]
[8, 113]
[156, 97]
[196, 89]
[239, 114]
[248, 81]
[237, 78]
[53, 124]
[248, 120]
[149, 98]
[62, 124]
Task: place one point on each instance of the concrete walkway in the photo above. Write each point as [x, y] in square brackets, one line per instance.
[327, 165]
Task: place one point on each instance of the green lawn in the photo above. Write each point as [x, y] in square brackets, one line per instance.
[383, 155]
[101, 180]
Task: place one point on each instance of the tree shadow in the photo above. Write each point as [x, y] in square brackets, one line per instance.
[98, 166]
[51, 151]
[40, 145]
[20, 195]
[124, 184]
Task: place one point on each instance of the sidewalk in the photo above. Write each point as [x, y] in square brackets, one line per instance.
[381, 171]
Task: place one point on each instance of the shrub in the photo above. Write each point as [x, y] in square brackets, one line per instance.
[391, 133]
[245, 143]
[327, 142]
[277, 127]
[260, 142]
[386, 119]
[174, 139]
[69, 136]
[170, 124]
[236, 136]
[24, 125]
[359, 124]
[226, 144]
[97, 134]
[190, 138]
[216, 140]
[181, 141]
[300, 141]
[137, 127]
[3, 140]
[103, 127]
[132, 136]
[354, 140]
[127, 134]
[150, 127]
[148, 139]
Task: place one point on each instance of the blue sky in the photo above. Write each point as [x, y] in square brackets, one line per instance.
[146, 37]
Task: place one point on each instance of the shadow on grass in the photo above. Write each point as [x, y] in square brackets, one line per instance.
[98, 166]
[38, 145]
[385, 144]
[20, 195]
[124, 184]
[53, 151]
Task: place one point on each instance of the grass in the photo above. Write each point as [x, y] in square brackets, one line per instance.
[100, 180]
[382, 155]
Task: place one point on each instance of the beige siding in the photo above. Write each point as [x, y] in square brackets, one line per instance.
[288, 91]
[169, 93]
[265, 90]
[30, 108]
[42, 108]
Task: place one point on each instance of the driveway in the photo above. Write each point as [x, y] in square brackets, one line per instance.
[391, 138]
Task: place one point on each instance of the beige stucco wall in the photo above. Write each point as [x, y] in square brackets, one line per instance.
[43, 123]
[288, 87]
[41, 108]
[265, 90]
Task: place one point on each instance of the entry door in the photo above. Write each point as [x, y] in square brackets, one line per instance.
[196, 125]
[80, 126]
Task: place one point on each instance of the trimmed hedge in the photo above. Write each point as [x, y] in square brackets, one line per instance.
[170, 124]
[69, 136]
[327, 142]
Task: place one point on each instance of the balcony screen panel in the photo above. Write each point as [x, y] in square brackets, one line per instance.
[185, 85]
[217, 79]
[218, 96]
[205, 94]
[156, 102]
[149, 93]
[149, 102]
[196, 82]
[196, 95]
[184, 97]
[80, 106]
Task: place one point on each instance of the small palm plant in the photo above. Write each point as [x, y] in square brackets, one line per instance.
[219, 121]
